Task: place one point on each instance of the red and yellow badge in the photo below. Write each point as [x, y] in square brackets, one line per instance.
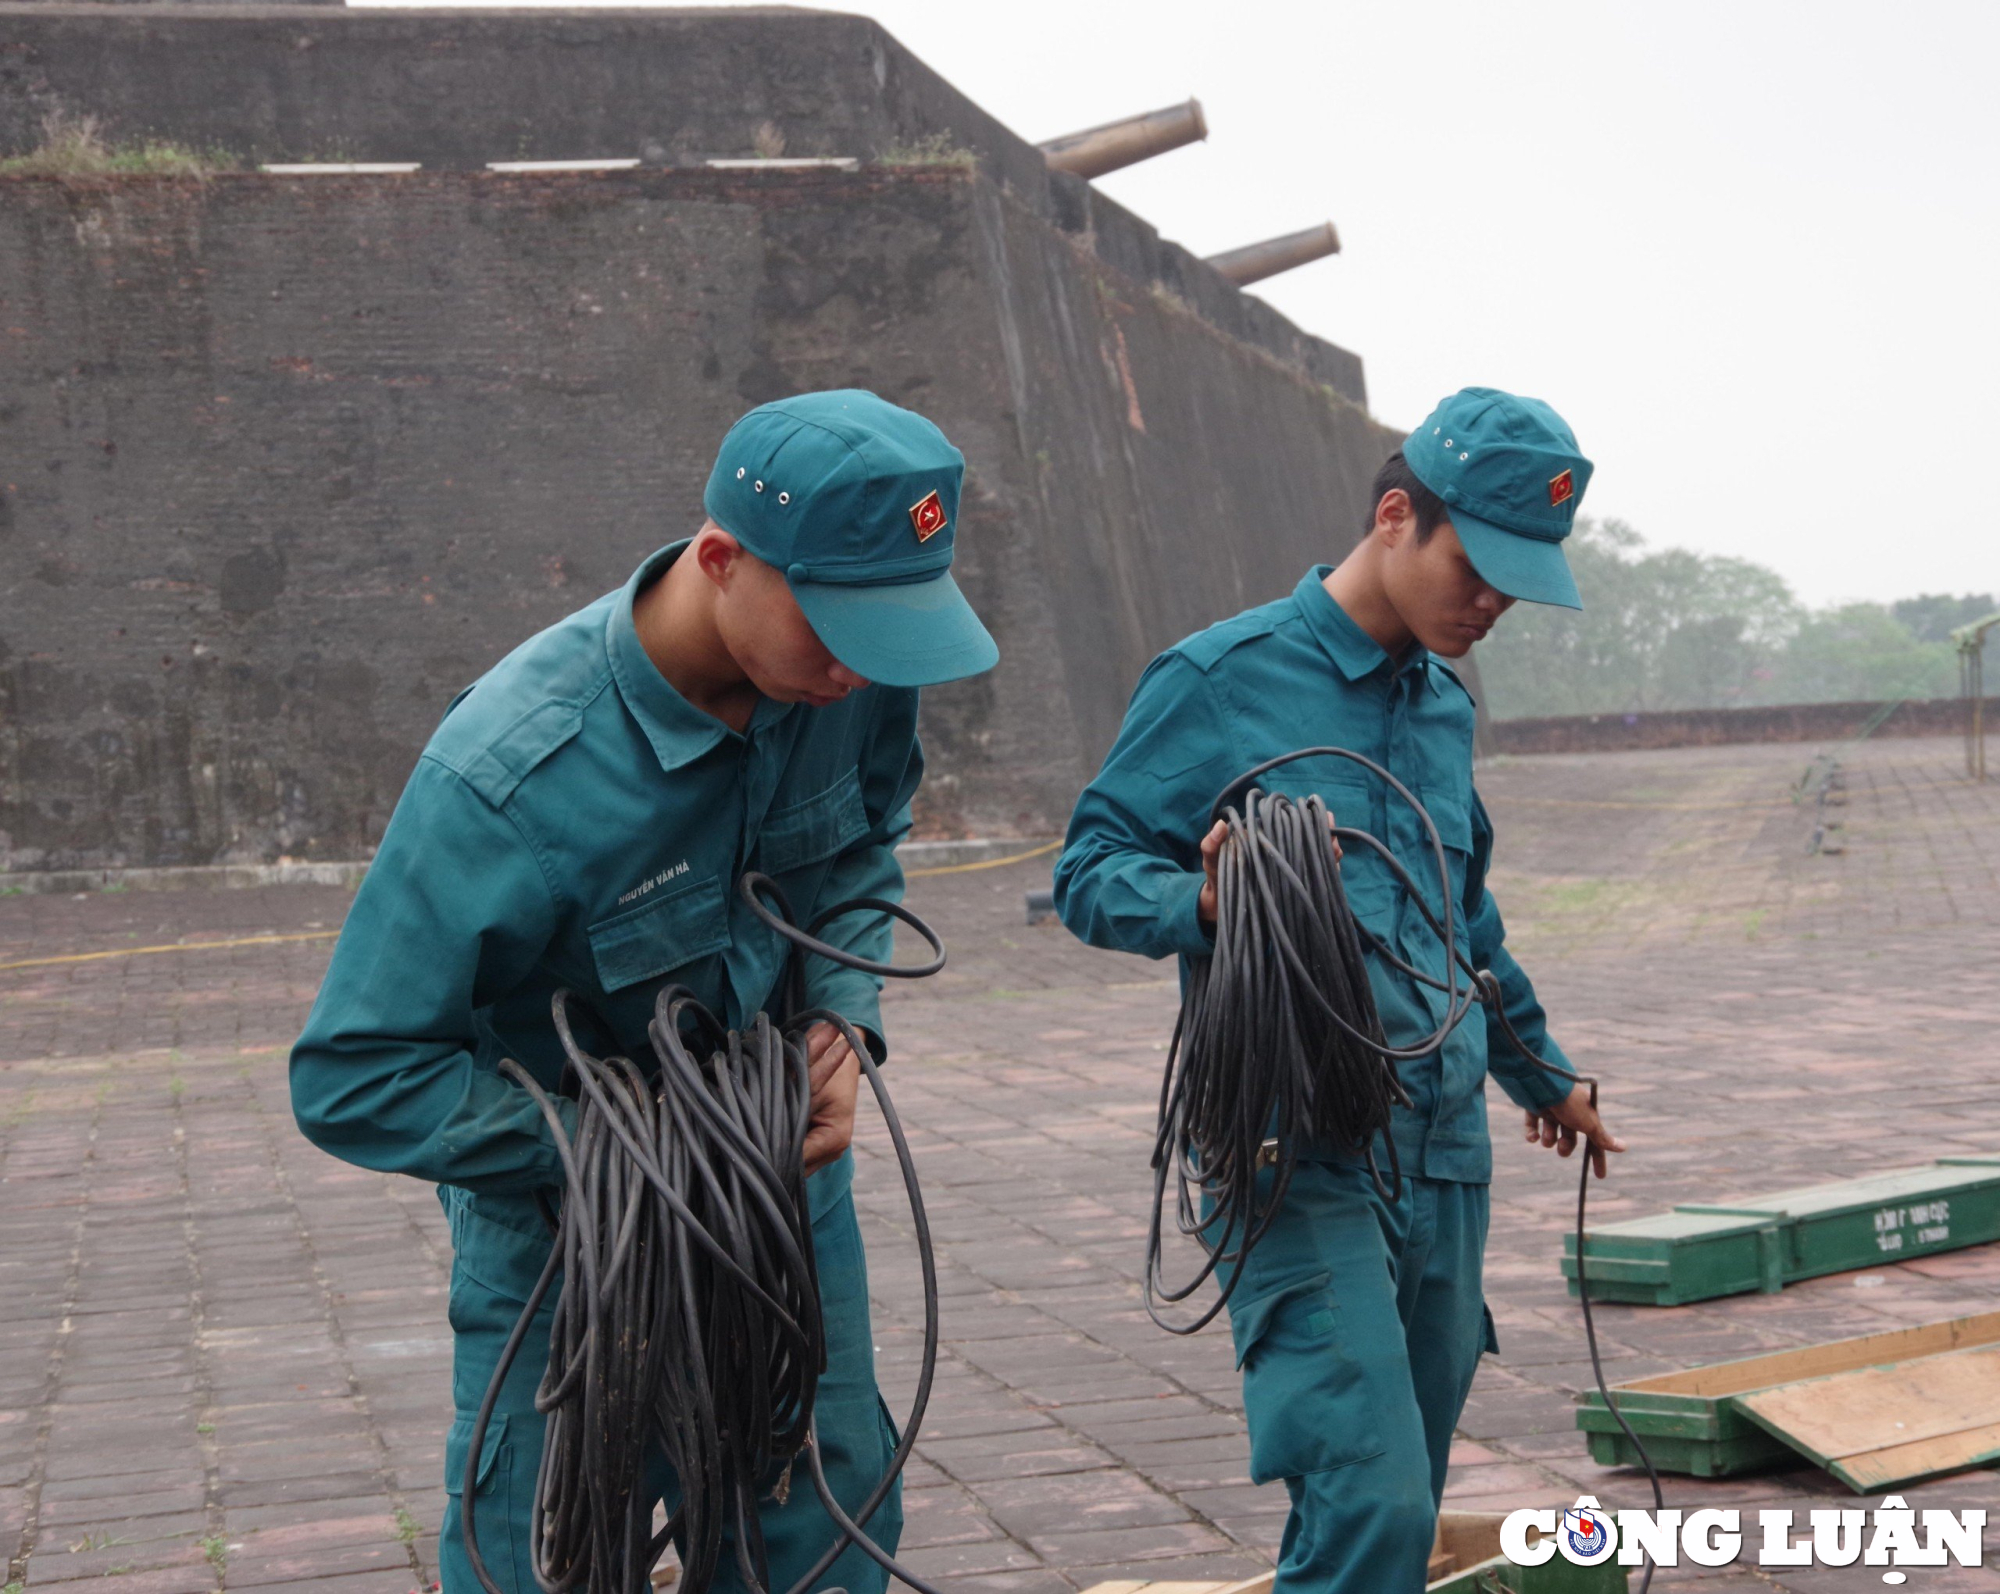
[1562, 488]
[928, 516]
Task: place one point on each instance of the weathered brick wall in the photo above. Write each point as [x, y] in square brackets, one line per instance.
[457, 89]
[284, 464]
[1709, 727]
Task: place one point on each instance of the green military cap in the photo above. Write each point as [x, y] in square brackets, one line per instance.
[856, 501]
[1510, 474]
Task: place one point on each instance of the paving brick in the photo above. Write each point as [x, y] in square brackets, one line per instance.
[1081, 1502]
[197, 1579]
[955, 1561]
[1028, 1582]
[257, 1566]
[1221, 1566]
[77, 1562]
[1167, 1542]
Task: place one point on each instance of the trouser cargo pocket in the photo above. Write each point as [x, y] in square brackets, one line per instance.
[500, 1518]
[1306, 1396]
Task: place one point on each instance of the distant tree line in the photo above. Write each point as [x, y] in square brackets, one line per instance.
[1665, 628]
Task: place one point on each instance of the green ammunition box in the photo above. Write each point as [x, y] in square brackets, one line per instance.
[1701, 1250]
[1677, 1257]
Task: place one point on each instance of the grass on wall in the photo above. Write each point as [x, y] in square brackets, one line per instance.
[75, 146]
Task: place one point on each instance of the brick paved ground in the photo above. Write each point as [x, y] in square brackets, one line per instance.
[223, 1355]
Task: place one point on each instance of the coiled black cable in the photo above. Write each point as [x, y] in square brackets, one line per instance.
[689, 1321]
[1279, 1042]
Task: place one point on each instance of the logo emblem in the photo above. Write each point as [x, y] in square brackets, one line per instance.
[928, 516]
[1587, 1535]
[1562, 488]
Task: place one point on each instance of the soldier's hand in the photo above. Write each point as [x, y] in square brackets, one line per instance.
[1559, 1123]
[836, 1076]
[1211, 851]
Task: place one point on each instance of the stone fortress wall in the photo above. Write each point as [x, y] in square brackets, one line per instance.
[286, 462]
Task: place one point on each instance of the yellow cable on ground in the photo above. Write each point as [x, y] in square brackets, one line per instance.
[327, 935]
[990, 863]
[184, 946]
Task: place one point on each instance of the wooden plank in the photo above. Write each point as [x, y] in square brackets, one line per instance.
[1817, 1361]
[1935, 1413]
[1927, 1458]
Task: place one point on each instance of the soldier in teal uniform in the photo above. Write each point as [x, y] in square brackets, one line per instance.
[747, 700]
[1358, 1321]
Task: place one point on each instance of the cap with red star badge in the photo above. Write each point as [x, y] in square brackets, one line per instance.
[1511, 478]
[856, 501]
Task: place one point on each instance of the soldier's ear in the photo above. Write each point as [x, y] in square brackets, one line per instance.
[1395, 518]
[717, 553]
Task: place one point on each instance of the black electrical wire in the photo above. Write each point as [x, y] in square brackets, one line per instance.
[689, 1320]
[1279, 1042]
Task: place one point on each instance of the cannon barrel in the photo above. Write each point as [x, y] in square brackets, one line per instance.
[1097, 150]
[1255, 262]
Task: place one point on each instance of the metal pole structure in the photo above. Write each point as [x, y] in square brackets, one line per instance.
[1971, 640]
[1097, 150]
[1965, 696]
[1979, 709]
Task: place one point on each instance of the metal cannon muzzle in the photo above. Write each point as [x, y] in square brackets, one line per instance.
[1097, 150]
[1255, 262]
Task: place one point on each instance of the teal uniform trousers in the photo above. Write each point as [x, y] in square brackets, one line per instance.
[1358, 1321]
[1358, 1324]
[575, 823]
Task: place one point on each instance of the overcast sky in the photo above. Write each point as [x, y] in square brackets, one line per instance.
[1749, 249]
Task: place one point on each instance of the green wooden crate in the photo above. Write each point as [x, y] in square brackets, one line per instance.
[1694, 1435]
[1677, 1257]
[1701, 1250]
[1690, 1423]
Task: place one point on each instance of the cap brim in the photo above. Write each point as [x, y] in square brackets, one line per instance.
[914, 633]
[1530, 568]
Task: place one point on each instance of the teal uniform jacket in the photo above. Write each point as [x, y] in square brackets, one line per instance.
[1299, 673]
[575, 822]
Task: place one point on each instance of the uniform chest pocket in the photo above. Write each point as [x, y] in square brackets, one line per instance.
[1453, 818]
[813, 830]
[687, 923]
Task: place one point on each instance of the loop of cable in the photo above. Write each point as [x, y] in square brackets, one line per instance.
[1278, 1039]
[688, 1327]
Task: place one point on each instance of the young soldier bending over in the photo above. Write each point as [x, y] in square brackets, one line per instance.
[746, 701]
